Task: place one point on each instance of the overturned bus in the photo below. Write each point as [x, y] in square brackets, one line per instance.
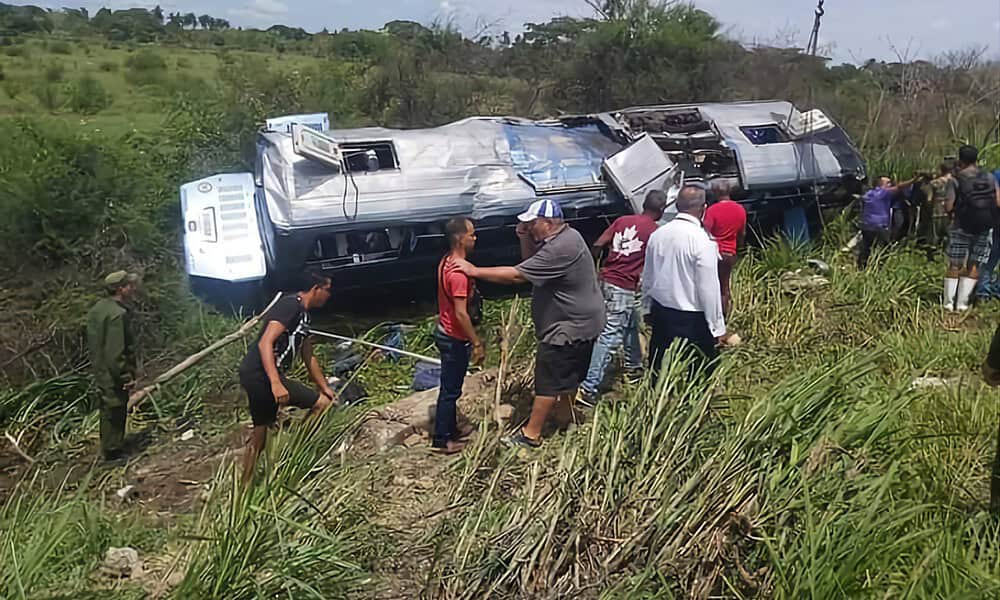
[369, 205]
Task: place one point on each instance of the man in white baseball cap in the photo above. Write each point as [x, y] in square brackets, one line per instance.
[566, 307]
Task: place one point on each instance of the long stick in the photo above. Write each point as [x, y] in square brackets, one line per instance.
[374, 345]
[180, 367]
[17, 448]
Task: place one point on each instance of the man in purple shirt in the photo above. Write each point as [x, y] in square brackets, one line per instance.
[876, 215]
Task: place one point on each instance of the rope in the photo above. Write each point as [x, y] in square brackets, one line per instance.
[342, 338]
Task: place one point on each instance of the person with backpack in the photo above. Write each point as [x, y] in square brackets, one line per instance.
[459, 311]
[975, 208]
[876, 215]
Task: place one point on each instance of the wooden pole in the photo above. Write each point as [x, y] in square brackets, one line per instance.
[137, 397]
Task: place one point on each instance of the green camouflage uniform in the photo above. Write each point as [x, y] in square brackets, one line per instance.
[110, 342]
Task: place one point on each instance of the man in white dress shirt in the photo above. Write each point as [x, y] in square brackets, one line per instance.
[680, 286]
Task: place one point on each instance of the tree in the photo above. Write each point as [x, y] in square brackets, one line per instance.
[205, 21]
[190, 20]
[158, 13]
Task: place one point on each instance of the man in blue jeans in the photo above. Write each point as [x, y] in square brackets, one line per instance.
[626, 241]
[456, 335]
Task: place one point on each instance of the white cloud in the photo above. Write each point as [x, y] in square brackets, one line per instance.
[263, 10]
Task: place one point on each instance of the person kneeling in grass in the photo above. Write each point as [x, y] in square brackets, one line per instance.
[284, 334]
[566, 306]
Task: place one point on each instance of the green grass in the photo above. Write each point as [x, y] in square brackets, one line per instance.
[807, 467]
[134, 105]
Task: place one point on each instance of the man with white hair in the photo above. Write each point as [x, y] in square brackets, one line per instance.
[566, 307]
[680, 285]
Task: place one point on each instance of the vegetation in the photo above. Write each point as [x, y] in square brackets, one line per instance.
[809, 466]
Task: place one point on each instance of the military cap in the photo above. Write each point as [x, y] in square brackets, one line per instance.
[120, 277]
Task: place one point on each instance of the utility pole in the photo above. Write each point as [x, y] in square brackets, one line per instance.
[814, 37]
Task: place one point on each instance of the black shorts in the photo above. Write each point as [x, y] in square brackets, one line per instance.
[559, 370]
[263, 408]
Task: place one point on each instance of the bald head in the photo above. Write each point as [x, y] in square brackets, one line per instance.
[691, 200]
[721, 189]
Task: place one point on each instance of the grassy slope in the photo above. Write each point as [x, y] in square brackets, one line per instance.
[132, 106]
[811, 470]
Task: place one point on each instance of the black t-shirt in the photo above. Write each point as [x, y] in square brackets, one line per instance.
[289, 312]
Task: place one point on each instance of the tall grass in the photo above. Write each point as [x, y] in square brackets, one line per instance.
[298, 532]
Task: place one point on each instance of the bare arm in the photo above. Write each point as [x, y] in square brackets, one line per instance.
[266, 346]
[504, 275]
[465, 321]
[315, 371]
[996, 188]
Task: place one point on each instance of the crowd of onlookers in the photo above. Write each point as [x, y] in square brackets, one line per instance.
[673, 276]
[957, 211]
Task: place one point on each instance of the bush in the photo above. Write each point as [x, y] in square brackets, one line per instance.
[54, 72]
[108, 66]
[21, 51]
[87, 96]
[145, 60]
[145, 68]
[183, 63]
[13, 88]
[60, 48]
[48, 95]
[68, 198]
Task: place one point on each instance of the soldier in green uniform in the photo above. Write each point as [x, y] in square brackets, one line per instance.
[111, 355]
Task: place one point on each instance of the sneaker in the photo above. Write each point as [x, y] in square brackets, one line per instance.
[517, 439]
[585, 398]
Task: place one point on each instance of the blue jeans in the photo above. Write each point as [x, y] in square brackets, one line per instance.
[621, 327]
[987, 286]
[454, 363]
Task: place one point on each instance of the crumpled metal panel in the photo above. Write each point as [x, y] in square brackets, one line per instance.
[466, 168]
[818, 158]
[791, 163]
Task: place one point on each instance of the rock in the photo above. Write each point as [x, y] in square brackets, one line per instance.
[927, 382]
[503, 413]
[187, 435]
[121, 563]
[127, 493]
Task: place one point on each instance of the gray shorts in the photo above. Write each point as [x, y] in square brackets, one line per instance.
[966, 248]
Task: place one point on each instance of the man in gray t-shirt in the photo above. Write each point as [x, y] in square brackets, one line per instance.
[566, 306]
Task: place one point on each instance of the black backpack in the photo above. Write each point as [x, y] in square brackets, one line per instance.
[976, 206]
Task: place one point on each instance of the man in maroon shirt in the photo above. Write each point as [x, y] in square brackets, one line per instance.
[626, 241]
[726, 221]
[456, 334]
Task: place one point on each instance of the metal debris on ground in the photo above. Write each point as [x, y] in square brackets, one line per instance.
[797, 282]
[120, 563]
[928, 382]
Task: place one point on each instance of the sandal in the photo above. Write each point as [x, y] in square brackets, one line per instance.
[453, 447]
[466, 432]
[517, 439]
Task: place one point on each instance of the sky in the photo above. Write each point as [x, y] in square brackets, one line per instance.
[852, 30]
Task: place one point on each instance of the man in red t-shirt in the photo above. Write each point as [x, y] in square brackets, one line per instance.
[625, 241]
[726, 221]
[455, 335]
